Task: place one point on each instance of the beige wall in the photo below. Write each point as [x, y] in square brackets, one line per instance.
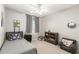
[58, 23]
[2, 33]
[12, 15]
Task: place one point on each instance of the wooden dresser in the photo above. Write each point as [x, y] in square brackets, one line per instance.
[51, 37]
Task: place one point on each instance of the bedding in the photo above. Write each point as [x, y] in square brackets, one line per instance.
[18, 47]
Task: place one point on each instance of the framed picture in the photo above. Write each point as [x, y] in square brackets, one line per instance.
[1, 19]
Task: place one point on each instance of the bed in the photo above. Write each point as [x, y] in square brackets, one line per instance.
[20, 46]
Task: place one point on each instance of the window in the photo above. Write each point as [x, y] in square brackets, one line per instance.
[33, 24]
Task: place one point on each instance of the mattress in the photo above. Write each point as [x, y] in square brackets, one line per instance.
[20, 46]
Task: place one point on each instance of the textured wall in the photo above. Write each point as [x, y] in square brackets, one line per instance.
[58, 23]
[12, 15]
[2, 33]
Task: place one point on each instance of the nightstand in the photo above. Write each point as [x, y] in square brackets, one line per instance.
[28, 37]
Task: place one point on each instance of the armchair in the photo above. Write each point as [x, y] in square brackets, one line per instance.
[72, 48]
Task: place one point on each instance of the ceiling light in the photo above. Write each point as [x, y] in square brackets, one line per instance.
[38, 9]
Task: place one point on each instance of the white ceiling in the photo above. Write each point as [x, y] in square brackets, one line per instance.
[32, 9]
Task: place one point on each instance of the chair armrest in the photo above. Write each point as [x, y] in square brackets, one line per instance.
[60, 43]
[73, 46]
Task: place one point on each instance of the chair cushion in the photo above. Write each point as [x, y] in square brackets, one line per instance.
[67, 42]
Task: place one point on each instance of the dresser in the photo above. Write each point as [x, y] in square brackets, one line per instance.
[51, 37]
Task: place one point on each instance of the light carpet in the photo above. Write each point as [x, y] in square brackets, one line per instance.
[48, 48]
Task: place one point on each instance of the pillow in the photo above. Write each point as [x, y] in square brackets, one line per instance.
[14, 35]
[11, 36]
[67, 42]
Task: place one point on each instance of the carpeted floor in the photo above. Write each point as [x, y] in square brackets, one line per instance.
[47, 48]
